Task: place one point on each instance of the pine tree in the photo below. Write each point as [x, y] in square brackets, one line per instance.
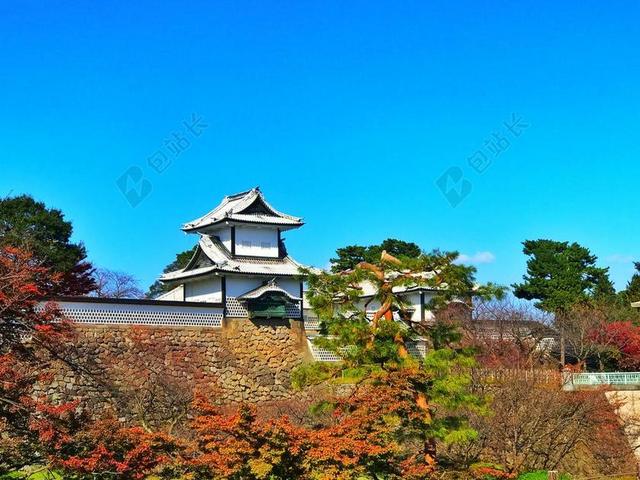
[29, 225]
[560, 275]
[374, 351]
[348, 257]
[632, 291]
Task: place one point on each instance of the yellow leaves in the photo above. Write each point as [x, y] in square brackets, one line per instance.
[260, 468]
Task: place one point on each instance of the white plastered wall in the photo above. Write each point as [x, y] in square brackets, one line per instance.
[205, 290]
[224, 235]
[256, 241]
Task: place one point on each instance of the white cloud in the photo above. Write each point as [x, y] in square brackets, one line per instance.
[477, 258]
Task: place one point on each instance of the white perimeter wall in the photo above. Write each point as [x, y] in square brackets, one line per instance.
[255, 241]
[412, 299]
[206, 290]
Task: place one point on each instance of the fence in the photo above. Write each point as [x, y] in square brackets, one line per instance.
[596, 379]
[417, 348]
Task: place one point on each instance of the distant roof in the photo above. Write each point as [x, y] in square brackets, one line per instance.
[211, 256]
[244, 207]
[369, 289]
[269, 287]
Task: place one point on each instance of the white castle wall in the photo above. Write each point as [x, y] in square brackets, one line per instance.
[413, 301]
[176, 295]
[207, 290]
[256, 241]
[225, 237]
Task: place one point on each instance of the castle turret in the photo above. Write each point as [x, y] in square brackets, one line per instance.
[241, 260]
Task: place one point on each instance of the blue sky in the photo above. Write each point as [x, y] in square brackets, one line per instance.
[345, 113]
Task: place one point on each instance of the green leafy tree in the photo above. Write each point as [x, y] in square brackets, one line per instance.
[28, 224]
[560, 275]
[632, 291]
[182, 259]
[375, 351]
[350, 256]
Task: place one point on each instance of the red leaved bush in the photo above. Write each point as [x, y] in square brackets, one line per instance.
[23, 281]
[27, 330]
[374, 430]
[106, 448]
[623, 337]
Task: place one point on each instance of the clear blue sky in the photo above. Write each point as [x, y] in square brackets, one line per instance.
[345, 113]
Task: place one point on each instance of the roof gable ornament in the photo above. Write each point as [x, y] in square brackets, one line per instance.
[270, 288]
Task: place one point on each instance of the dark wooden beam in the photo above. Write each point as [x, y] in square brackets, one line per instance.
[233, 240]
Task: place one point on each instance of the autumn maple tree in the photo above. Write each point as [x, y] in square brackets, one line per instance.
[30, 333]
[621, 340]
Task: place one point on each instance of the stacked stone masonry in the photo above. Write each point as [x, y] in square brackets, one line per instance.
[244, 361]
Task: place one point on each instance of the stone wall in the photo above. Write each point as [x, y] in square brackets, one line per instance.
[244, 361]
[627, 404]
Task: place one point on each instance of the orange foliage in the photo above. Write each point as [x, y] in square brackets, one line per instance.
[364, 436]
[107, 448]
[27, 330]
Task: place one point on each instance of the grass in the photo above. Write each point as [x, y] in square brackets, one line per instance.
[541, 475]
[35, 473]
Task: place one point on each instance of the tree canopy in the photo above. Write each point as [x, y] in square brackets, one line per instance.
[375, 351]
[561, 274]
[114, 284]
[28, 224]
[23, 280]
[631, 293]
[348, 257]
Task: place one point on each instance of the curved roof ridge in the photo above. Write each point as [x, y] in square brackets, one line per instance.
[270, 287]
[236, 204]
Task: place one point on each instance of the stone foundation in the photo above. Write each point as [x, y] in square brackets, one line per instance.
[244, 361]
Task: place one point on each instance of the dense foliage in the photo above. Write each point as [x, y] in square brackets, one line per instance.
[560, 274]
[375, 350]
[631, 293]
[29, 225]
[350, 256]
[25, 332]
